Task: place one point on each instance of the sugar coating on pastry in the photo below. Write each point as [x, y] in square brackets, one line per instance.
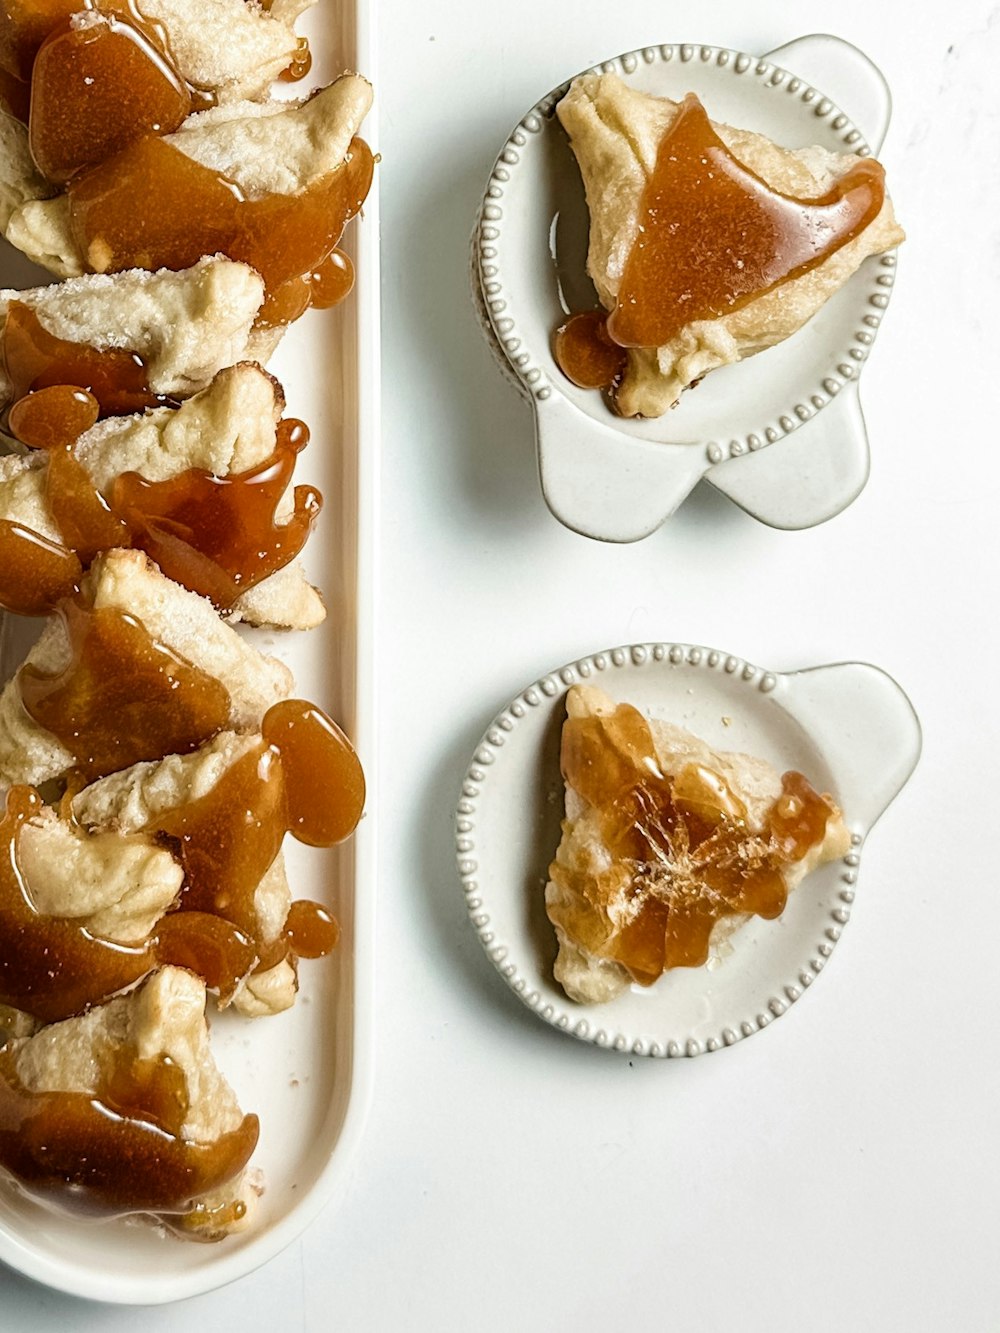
[186, 326]
[127, 802]
[615, 132]
[20, 179]
[273, 147]
[164, 1019]
[228, 47]
[587, 974]
[187, 624]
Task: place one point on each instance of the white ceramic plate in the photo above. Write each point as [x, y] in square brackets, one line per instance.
[306, 1073]
[848, 727]
[782, 433]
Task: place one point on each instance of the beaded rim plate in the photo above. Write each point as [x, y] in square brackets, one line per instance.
[849, 727]
[782, 434]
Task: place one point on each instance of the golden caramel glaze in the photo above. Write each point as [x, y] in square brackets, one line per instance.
[123, 697]
[585, 353]
[35, 573]
[302, 777]
[35, 359]
[95, 89]
[54, 968]
[684, 855]
[219, 535]
[152, 207]
[713, 235]
[120, 1149]
[52, 417]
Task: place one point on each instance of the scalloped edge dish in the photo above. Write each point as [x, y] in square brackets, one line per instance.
[782, 433]
[848, 726]
[308, 1072]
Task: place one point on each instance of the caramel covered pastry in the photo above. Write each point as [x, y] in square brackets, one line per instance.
[133, 803]
[131, 1081]
[705, 202]
[668, 846]
[134, 668]
[229, 429]
[183, 327]
[224, 50]
[263, 148]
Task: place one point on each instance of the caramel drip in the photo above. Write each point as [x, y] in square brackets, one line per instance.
[301, 63]
[585, 354]
[302, 777]
[684, 853]
[219, 535]
[713, 236]
[151, 207]
[35, 573]
[95, 89]
[52, 417]
[122, 697]
[120, 1149]
[53, 967]
[35, 359]
[329, 284]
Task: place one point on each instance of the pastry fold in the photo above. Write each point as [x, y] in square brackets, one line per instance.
[615, 132]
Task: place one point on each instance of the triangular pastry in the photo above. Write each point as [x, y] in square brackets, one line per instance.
[265, 148]
[129, 803]
[132, 1080]
[228, 428]
[184, 326]
[129, 584]
[668, 846]
[616, 131]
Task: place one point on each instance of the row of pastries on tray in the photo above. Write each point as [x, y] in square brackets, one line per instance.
[153, 759]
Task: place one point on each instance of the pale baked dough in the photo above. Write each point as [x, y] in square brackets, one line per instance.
[125, 803]
[163, 1019]
[589, 979]
[186, 326]
[228, 428]
[615, 131]
[263, 147]
[175, 617]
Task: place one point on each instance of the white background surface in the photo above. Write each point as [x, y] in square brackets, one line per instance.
[839, 1171]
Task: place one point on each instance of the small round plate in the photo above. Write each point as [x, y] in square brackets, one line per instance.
[782, 433]
[849, 727]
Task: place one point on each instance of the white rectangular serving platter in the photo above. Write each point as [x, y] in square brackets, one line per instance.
[307, 1073]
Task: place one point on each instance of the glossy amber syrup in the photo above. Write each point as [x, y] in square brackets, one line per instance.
[54, 967]
[219, 535]
[123, 696]
[94, 90]
[35, 359]
[120, 1149]
[302, 777]
[684, 854]
[152, 207]
[713, 235]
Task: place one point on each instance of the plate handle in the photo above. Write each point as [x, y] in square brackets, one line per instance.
[846, 75]
[605, 484]
[866, 728]
[810, 476]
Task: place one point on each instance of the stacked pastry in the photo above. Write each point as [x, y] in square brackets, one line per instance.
[151, 759]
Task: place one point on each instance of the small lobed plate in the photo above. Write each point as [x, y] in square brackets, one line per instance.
[849, 727]
[782, 433]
